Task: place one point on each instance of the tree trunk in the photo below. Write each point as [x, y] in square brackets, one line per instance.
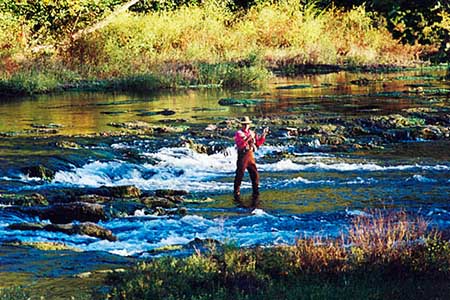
[104, 22]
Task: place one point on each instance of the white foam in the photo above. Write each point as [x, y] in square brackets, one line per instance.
[422, 179]
[163, 176]
[183, 168]
[260, 213]
[301, 180]
[195, 164]
[359, 180]
[289, 165]
[357, 212]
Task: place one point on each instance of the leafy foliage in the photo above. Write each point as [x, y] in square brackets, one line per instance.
[414, 22]
[56, 19]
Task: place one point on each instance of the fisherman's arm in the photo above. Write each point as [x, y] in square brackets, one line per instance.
[262, 138]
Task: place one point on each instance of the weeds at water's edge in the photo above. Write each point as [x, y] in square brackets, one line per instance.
[383, 256]
[227, 75]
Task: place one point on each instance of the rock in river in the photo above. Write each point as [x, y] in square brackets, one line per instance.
[64, 213]
[122, 191]
[39, 172]
[87, 228]
[23, 200]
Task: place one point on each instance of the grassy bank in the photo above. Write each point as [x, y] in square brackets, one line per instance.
[383, 257]
[198, 45]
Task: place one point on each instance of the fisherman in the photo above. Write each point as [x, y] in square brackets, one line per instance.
[247, 143]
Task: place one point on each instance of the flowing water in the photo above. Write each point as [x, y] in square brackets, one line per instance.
[306, 190]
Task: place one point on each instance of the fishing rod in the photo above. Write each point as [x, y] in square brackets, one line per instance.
[262, 121]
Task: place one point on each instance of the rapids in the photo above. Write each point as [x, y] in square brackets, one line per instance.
[306, 189]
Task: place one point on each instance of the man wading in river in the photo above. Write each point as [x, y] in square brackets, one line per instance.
[247, 142]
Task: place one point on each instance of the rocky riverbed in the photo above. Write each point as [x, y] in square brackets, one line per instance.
[139, 178]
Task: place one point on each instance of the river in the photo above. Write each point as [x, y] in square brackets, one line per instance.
[308, 187]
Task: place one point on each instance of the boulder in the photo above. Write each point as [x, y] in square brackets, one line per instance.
[290, 131]
[154, 202]
[88, 228]
[430, 132]
[333, 139]
[122, 191]
[39, 172]
[92, 198]
[68, 212]
[204, 149]
[168, 192]
[92, 229]
[182, 211]
[23, 200]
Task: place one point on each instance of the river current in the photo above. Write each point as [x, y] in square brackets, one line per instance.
[306, 189]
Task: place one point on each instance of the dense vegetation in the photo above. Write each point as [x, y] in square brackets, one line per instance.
[50, 45]
[384, 257]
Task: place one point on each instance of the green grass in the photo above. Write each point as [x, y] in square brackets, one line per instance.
[14, 293]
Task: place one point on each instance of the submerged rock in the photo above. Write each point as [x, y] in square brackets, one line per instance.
[395, 121]
[67, 145]
[168, 192]
[294, 87]
[39, 172]
[47, 126]
[42, 131]
[199, 200]
[239, 102]
[182, 211]
[360, 81]
[87, 228]
[134, 125]
[164, 112]
[146, 128]
[44, 246]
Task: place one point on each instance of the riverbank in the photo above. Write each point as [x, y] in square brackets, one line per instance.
[383, 255]
[167, 49]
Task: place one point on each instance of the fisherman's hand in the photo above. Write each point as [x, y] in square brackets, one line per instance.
[265, 131]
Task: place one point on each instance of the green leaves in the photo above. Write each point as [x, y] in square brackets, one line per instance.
[59, 18]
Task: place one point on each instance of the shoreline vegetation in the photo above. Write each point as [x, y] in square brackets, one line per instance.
[204, 45]
[384, 255]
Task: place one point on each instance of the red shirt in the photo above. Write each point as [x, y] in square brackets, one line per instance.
[244, 138]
